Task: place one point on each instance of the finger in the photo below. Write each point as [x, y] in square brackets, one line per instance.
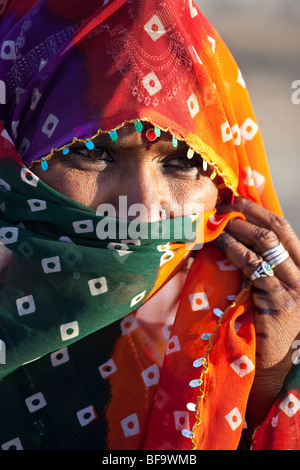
[258, 215]
[262, 239]
[246, 260]
[271, 304]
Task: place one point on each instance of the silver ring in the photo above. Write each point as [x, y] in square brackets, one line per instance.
[275, 255]
[278, 259]
[276, 250]
[263, 270]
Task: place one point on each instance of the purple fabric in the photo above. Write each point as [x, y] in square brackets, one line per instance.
[39, 114]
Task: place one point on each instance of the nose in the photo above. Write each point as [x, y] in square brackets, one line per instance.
[142, 195]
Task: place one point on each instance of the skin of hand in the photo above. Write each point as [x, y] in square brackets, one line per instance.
[276, 298]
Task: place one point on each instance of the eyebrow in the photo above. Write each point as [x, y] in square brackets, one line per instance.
[105, 140]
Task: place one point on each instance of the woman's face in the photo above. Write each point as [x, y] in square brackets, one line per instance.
[161, 175]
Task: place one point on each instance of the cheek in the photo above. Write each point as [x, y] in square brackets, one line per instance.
[201, 195]
[80, 186]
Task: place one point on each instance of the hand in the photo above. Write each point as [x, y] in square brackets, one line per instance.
[276, 298]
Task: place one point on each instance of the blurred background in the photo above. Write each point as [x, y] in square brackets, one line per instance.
[264, 38]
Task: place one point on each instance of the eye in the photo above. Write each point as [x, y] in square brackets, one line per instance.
[97, 155]
[182, 163]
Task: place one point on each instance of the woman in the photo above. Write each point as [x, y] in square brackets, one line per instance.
[160, 341]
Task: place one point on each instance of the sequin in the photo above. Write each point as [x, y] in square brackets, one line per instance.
[218, 312]
[274, 422]
[66, 150]
[138, 126]
[230, 297]
[187, 433]
[174, 142]
[44, 164]
[89, 144]
[206, 336]
[157, 131]
[113, 135]
[195, 383]
[191, 406]
[199, 362]
[190, 153]
[213, 175]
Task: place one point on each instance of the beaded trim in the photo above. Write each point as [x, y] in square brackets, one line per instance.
[201, 395]
[206, 153]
